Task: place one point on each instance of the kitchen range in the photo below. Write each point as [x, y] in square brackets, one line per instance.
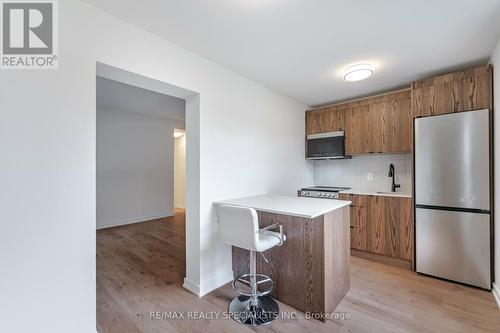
[324, 192]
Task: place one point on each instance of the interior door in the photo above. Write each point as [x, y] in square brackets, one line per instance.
[452, 160]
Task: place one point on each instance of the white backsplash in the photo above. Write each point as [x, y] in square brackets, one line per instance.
[354, 172]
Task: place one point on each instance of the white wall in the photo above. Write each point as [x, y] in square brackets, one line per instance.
[495, 60]
[47, 140]
[180, 172]
[135, 166]
[353, 173]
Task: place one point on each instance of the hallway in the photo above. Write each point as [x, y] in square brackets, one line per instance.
[134, 261]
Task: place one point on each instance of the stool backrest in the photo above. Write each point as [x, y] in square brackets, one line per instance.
[238, 226]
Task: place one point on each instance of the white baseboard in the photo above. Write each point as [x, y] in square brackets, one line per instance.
[131, 221]
[191, 286]
[180, 206]
[211, 285]
[496, 293]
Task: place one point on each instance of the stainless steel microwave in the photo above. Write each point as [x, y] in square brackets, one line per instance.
[323, 146]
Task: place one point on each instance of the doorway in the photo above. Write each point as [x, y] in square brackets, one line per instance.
[145, 195]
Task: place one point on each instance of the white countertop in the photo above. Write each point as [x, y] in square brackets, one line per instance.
[378, 193]
[288, 205]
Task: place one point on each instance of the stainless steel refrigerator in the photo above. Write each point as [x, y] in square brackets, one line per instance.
[452, 197]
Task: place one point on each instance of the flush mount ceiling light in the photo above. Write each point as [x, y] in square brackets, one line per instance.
[358, 72]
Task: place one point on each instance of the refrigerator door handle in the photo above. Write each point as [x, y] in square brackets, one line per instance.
[454, 209]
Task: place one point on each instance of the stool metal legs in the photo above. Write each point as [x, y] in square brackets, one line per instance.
[253, 308]
[253, 278]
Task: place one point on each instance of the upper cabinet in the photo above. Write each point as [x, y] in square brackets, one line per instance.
[380, 124]
[397, 123]
[466, 90]
[329, 119]
[357, 129]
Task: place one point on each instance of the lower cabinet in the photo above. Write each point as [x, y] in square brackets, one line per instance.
[382, 225]
[359, 238]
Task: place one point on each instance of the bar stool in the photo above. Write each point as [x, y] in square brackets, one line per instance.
[239, 226]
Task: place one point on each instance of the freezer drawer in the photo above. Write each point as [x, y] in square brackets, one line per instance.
[454, 246]
[452, 160]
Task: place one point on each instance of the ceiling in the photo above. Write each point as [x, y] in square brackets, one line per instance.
[120, 96]
[301, 48]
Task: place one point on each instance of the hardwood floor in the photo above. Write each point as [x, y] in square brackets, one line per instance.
[140, 269]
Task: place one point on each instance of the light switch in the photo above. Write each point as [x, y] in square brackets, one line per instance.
[369, 177]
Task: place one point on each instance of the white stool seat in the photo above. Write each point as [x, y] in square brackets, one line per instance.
[239, 226]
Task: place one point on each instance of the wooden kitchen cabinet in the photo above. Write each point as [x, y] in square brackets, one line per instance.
[382, 225]
[397, 124]
[465, 90]
[380, 124]
[377, 119]
[390, 226]
[357, 129]
[399, 227]
[376, 224]
[329, 119]
[358, 220]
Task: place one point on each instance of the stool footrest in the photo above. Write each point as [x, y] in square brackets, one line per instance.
[265, 280]
[261, 278]
[245, 282]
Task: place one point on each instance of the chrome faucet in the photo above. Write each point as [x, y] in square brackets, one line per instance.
[392, 174]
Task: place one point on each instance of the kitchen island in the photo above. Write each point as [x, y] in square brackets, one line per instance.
[311, 269]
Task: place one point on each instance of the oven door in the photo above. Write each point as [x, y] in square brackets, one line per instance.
[325, 146]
